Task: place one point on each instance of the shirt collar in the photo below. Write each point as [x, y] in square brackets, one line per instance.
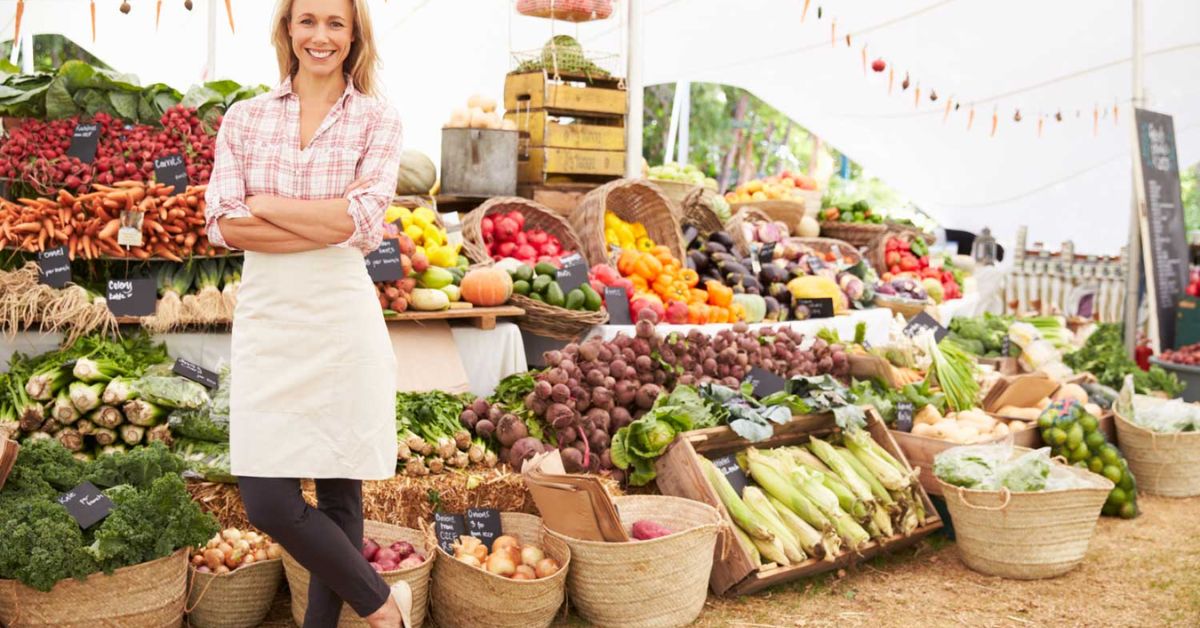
[284, 88]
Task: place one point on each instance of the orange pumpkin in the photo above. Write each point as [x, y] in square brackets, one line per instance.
[486, 287]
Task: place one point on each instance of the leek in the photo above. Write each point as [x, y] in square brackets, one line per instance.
[143, 413]
[160, 433]
[70, 438]
[111, 449]
[83, 456]
[44, 385]
[104, 436]
[85, 427]
[738, 511]
[757, 502]
[132, 434]
[63, 410]
[106, 416]
[954, 370]
[50, 426]
[92, 371]
[119, 390]
[86, 397]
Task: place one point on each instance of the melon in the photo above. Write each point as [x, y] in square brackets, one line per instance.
[417, 173]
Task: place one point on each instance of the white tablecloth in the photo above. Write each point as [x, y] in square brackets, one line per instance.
[487, 356]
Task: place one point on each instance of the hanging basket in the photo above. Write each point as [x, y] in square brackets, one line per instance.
[566, 10]
[632, 201]
[385, 534]
[537, 216]
[1164, 464]
[740, 218]
[238, 599]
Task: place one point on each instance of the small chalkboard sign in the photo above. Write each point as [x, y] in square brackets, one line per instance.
[383, 264]
[816, 264]
[616, 301]
[484, 524]
[904, 416]
[448, 528]
[817, 308]
[924, 321]
[574, 272]
[196, 373]
[1005, 346]
[131, 297]
[54, 267]
[765, 382]
[728, 467]
[86, 504]
[766, 253]
[755, 261]
[171, 170]
[84, 142]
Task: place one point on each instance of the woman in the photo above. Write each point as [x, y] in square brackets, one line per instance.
[302, 177]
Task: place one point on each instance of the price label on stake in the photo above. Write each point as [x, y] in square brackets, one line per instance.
[196, 373]
[448, 527]
[383, 264]
[86, 504]
[484, 524]
[84, 142]
[171, 170]
[728, 467]
[924, 321]
[904, 416]
[765, 382]
[54, 267]
[817, 308]
[574, 272]
[616, 301]
[131, 297]
[130, 233]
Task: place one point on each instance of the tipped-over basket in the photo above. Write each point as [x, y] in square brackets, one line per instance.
[1164, 464]
[467, 597]
[743, 216]
[632, 200]
[1026, 536]
[786, 211]
[660, 582]
[698, 209]
[385, 534]
[537, 216]
[238, 599]
[149, 595]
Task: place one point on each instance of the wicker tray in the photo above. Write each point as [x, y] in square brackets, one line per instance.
[537, 216]
[676, 191]
[633, 201]
[855, 233]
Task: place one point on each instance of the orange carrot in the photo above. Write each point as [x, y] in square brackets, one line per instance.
[229, 12]
[110, 229]
[93, 21]
[157, 14]
[17, 22]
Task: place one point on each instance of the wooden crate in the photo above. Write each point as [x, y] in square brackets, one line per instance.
[733, 572]
[569, 95]
[566, 165]
[921, 450]
[561, 197]
[541, 128]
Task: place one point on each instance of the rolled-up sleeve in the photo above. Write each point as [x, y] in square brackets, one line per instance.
[226, 193]
[379, 167]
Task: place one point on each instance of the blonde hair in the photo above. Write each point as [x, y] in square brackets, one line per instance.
[360, 64]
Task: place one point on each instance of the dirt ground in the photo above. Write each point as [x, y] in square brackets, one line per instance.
[1144, 572]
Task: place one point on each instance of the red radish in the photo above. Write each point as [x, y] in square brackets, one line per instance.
[506, 249]
[369, 549]
[878, 65]
[519, 218]
[487, 226]
[377, 567]
[522, 238]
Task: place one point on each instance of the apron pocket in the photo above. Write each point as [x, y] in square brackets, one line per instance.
[286, 367]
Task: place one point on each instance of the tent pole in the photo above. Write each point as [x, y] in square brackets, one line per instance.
[685, 119]
[210, 70]
[633, 84]
[672, 127]
[1134, 247]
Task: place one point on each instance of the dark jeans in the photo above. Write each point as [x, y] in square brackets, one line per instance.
[326, 540]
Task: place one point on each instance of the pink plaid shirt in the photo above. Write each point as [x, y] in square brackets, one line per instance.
[258, 152]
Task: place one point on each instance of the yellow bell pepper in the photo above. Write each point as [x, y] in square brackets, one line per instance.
[644, 244]
[397, 212]
[415, 232]
[424, 216]
[639, 230]
[442, 255]
[433, 235]
[647, 267]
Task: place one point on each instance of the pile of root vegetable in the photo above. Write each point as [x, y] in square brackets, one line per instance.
[172, 224]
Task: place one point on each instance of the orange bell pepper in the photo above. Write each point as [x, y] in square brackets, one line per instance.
[639, 284]
[690, 277]
[625, 263]
[697, 314]
[696, 295]
[676, 291]
[647, 266]
[717, 314]
[719, 294]
[737, 312]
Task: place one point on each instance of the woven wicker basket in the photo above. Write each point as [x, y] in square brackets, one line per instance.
[149, 595]
[839, 247]
[537, 216]
[467, 597]
[1164, 464]
[661, 582]
[787, 212]
[386, 534]
[675, 191]
[741, 217]
[904, 307]
[929, 238]
[697, 210]
[632, 201]
[1026, 536]
[543, 319]
[239, 599]
[856, 234]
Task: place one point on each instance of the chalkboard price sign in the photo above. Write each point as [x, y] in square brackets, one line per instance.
[383, 264]
[817, 308]
[448, 528]
[54, 267]
[924, 321]
[484, 524]
[574, 272]
[904, 416]
[131, 297]
[171, 170]
[766, 382]
[728, 467]
[84, 142]
[616, 301]
[196, 373]
[86, 504]
[1164, 242]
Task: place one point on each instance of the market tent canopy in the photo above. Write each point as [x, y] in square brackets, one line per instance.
[1041, 58]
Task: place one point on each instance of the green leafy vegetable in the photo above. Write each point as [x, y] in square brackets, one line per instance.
[1104, 356]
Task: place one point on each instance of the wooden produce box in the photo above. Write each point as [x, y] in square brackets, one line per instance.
[541, 128]
[567, 94]
[921, 450]
[733, 572]
[566, 165]
[561, 197]
[479, 162]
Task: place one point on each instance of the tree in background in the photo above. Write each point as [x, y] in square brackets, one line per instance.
[1189, 180]
[51, 51]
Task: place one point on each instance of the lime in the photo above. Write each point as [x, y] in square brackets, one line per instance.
[1089, 423]
[1046, 420]
[1096, 465]
[1079, 454]
[1075, 436]
[1118, 497]
[1128, 510]
[1110, 455]
[1127, 482]
[1064, 420]
[1110, 509]
[1095, 440]
[1046, 435]
[1113, 473]
[1057, 437]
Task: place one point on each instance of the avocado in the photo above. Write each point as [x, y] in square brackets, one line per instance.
[536, 297]
[521, 286]
[546, 269]
[575, 299]
[541, 283]
[591, 299]
[554, 294]
[523, 273]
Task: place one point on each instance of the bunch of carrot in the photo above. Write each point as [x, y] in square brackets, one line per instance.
[87, 224]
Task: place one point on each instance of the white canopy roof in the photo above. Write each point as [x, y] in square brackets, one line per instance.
[1039, 57]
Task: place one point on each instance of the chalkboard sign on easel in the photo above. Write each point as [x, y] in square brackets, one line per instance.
[448, 527]
[1160, 213]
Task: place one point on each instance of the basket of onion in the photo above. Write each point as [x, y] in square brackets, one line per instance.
[520, 583]
[233, 580]
[396, 553]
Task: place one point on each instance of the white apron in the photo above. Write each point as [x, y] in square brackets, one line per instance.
[313, 390]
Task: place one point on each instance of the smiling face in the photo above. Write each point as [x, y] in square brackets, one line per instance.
[322, 32]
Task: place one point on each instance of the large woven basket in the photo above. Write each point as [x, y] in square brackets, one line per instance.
[697, 210]
[1163, 464]
[1026, 536]
[787, 212]
[847, 251]
[741, 217]
[661, 582]
[543, 319]
[149, 595]
[855, 233]
[675, 191]
[467, 597]
[877, 249]
[239, 599]
[632, 201]
[537, 216]
[386, 534]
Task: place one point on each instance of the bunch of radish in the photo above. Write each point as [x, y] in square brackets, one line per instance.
[398, 555]
[504, 235]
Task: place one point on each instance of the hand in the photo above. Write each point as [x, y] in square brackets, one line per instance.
[357, 184]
